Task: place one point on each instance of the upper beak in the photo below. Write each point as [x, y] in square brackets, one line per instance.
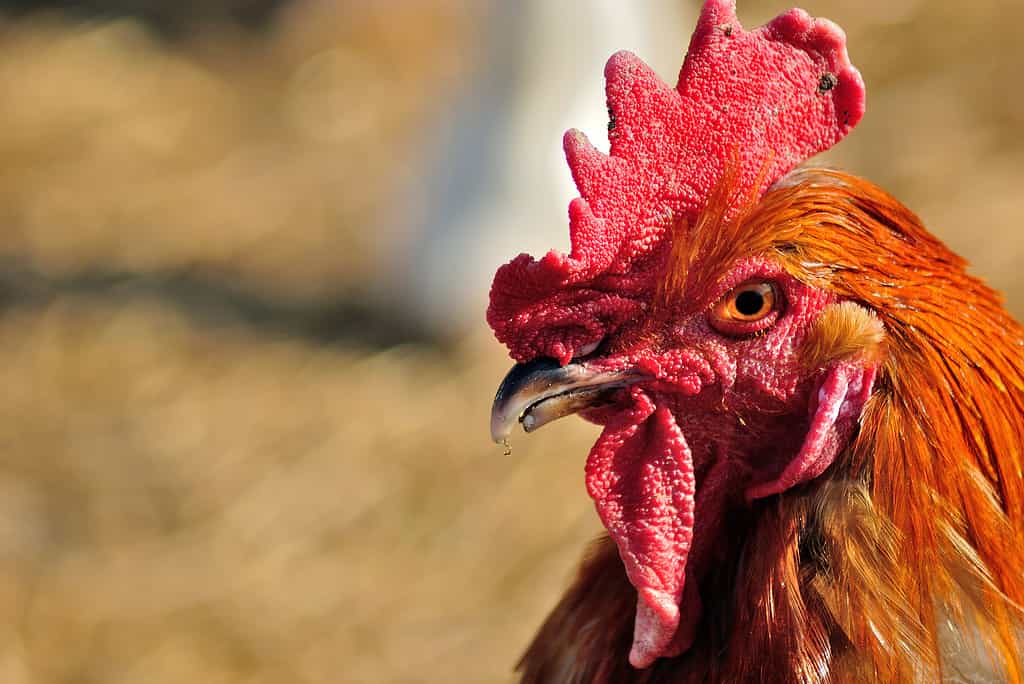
[541, 391]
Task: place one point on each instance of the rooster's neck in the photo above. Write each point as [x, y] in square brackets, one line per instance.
[745, 586]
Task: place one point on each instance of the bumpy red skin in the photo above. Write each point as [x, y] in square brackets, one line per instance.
[721, 417]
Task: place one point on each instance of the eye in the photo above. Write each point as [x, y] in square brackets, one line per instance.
[746, 309]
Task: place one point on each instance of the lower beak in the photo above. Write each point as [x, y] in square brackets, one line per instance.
[541, 391]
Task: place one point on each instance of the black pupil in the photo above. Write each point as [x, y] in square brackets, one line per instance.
[749, 302]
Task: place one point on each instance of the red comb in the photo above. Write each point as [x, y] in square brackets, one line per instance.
[767, 99]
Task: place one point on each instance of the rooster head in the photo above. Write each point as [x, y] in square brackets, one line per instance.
[716, 371]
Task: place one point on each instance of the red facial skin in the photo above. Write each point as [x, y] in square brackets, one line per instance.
[720, 414]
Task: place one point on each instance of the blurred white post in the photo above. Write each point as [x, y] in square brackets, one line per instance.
[497, 182]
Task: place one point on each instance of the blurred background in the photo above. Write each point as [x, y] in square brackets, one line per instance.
[245, 248]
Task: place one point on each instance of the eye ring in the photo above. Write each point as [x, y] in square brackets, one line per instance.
[748, 308]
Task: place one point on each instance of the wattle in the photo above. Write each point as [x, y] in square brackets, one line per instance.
[640, 474]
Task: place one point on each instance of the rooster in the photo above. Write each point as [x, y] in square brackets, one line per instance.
[810, 462]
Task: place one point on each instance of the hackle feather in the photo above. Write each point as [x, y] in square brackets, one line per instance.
[917, 526]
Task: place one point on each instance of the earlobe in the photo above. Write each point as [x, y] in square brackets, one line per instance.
[836, 406]
[846, 342]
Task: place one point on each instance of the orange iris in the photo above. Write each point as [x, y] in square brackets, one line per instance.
[744, 307]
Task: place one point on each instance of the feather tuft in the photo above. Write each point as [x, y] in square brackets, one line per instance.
[842, 331]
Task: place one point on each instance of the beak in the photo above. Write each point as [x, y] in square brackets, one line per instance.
[541, 391]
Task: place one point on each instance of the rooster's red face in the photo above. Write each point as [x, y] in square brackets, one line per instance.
[689, 354]
[701, 411]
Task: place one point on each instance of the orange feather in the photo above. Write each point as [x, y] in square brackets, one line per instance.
[918, 524]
